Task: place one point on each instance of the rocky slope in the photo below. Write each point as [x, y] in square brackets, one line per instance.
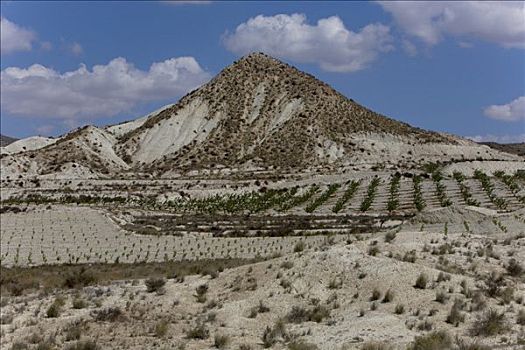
[258, 113]
[6, 140]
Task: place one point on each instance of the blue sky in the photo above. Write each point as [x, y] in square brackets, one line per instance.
[453, 67]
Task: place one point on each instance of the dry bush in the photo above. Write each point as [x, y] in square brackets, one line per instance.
[514, 268]
[83, 345]
[198, 332]
[221, 341]
[109, 314]
[490, 323]
[154, 284]
[161, 329]
[520, 318]
[301, 345]
[400, 309]
[55, 309]
[376, 346]
[455, 316]
[438, 340]
[389, 296]
[376, 295]
[421, 281]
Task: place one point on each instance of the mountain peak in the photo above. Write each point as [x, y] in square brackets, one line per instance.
[258, 114]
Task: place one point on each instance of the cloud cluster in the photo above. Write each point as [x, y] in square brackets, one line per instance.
[498, 138]
[500, 22]
[104, 91]
[14, 38]
[512, 111]
[328, 43]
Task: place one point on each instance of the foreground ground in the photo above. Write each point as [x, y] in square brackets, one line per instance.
[128, 276]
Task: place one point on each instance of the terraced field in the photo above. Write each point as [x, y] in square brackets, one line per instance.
[235, 224]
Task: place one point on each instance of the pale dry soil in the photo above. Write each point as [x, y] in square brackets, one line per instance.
[457, 250]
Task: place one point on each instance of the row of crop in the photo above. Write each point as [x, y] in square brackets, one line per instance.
[464, 189]
[299, 199]
[322, 198]
[488, 187]
[393, 200]
[441, 194]
[419, 202]
[511, 183]
[370, 194]
[347, 195]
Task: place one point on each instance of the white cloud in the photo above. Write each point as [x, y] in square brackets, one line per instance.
[512, 111]
[501, 22]
[76, 49]
[498, 138]
[187, 2]
[328, 43]
[46, 46]
[104, 91]
[46, 129]
[465, 45]
[409, 47]
[14, 38]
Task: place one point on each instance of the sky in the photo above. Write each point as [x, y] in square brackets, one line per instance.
[456, 67]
